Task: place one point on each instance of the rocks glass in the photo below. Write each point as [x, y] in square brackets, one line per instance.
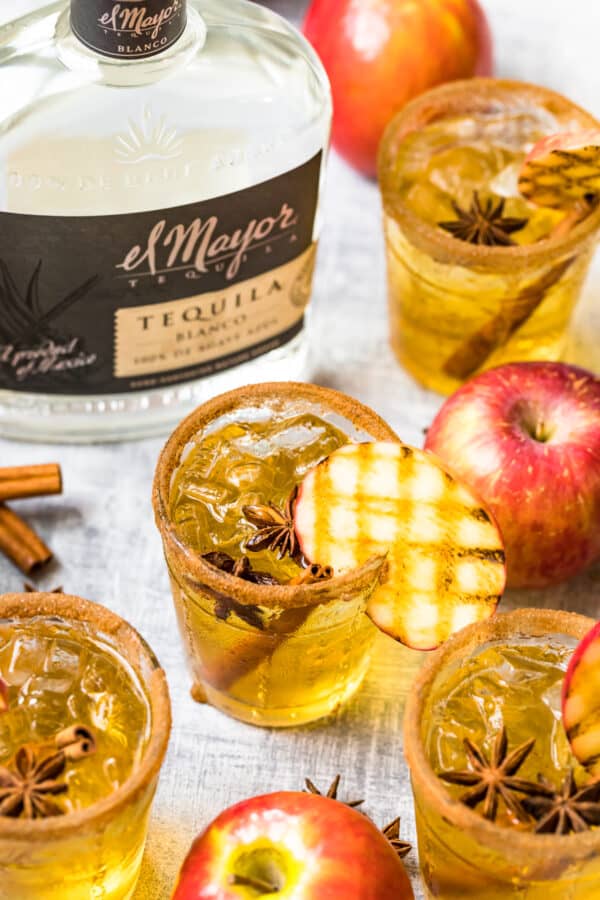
[462, 854]
[269, 654]
[458, 307]
[88, 705]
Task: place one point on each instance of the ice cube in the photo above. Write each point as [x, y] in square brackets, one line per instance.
[506, 182]
[62, 658]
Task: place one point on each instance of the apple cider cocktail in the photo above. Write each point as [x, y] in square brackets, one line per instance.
[270, 640]
[484, 265]
[503, 807]
[293, 519]
[80, 747]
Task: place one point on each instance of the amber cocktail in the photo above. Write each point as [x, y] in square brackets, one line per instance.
[463, 298]
[81, 745]
[493, 690]
[269, 640]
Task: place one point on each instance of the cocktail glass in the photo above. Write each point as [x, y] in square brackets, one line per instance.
[269, 654]
[68, 661]
[457, 307]
[462, 854]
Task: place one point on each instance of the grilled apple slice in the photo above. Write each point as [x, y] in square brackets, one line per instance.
[445, 559]
[581, 702]
[562, 170]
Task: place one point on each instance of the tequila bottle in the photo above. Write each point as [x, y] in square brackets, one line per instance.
[160, 171]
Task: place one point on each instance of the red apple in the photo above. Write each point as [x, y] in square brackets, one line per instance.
[526, 438]
[581, 702]
[379, 54]
[294, 845]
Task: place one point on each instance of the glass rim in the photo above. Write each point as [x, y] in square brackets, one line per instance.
[526, 622]
[194, 570]
[453, 98]
[75, 609]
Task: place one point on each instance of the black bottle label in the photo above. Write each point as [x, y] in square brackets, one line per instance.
[128, 29]
[106, 304]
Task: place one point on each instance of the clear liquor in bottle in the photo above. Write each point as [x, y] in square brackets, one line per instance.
[161, 165]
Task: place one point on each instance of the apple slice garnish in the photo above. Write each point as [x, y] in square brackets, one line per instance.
[3, 696]
[445, 558]
[581, 702]
[562, 170]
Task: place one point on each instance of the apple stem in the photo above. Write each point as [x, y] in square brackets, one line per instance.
[265, 887]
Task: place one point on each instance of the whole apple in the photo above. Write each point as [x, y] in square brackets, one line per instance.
[295, 845]
[379, 54]
[526, 438]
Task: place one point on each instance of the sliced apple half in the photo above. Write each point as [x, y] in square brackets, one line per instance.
[562, 170]
[445, 558]
[581, 702]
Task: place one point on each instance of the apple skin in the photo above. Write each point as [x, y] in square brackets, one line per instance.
[335, 853]
[544, 494]
[379, 54]
[566, 140]
[581, 701]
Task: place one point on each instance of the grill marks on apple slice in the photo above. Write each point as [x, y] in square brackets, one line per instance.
[581, 702]
[563, 170]
[445, 560]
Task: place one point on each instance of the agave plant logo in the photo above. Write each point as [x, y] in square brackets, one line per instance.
[28, 343]
[149, 138]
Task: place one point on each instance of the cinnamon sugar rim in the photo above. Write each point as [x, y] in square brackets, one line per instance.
[187, 564]
[131, 646]
[533, 623]
[462, 97]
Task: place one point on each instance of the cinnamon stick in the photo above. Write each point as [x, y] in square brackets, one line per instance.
[76, 742]
[478, 347]
[20, 542]
[226, 668]
[17, 482]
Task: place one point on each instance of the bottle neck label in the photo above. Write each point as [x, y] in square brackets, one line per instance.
[128, 29]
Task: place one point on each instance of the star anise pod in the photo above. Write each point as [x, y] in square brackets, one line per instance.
[275, 528]
[30, 588]
[241, 568]
[493, 778]
[392, 833]
[28, 790]
[568, 809]
[313, 574]
[332, 792]
[483, 223]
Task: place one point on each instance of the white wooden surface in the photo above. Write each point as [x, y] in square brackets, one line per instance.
[108, 550]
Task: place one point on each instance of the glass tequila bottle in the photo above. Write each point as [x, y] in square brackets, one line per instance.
[161, 166]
